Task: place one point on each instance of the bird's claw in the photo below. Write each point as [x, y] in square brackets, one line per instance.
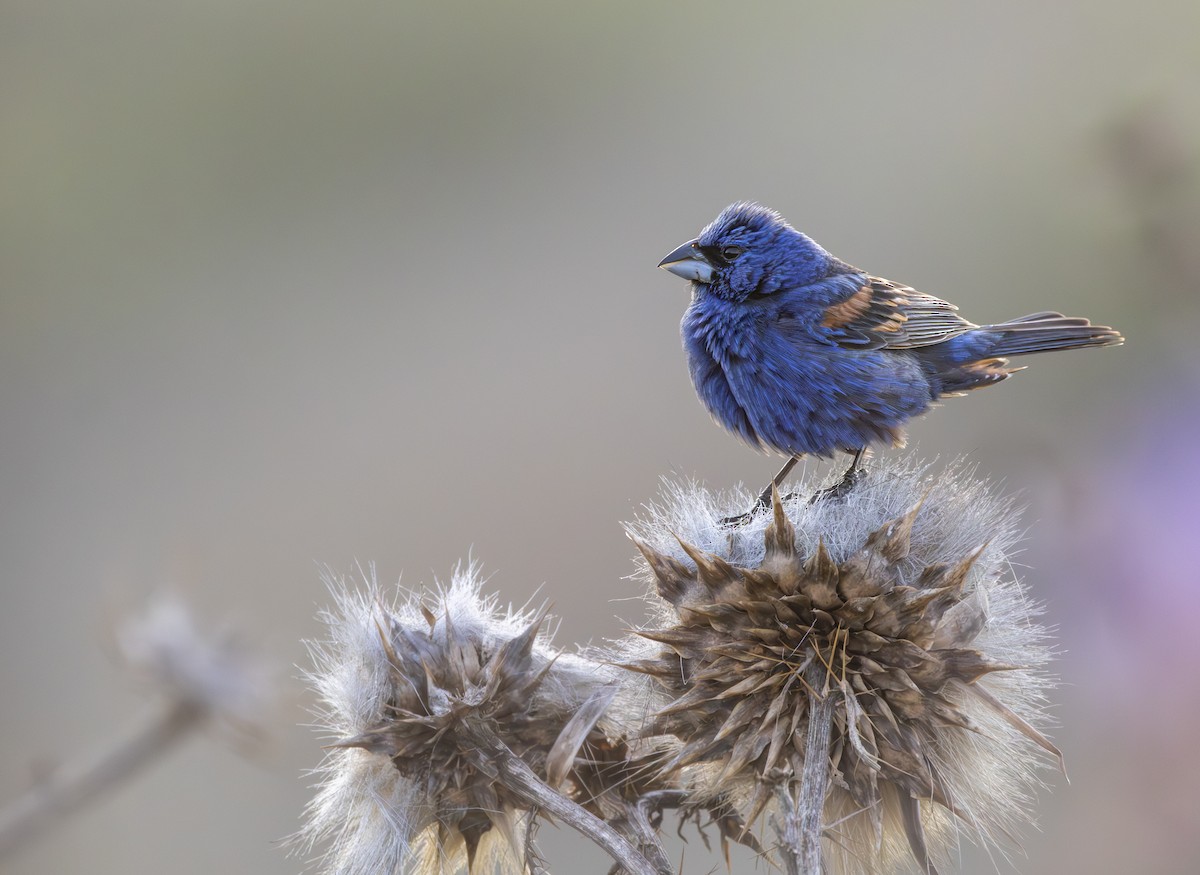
[763, 503]
[733, 522]
[842, 488]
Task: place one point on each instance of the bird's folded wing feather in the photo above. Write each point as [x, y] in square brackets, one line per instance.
[882, 314]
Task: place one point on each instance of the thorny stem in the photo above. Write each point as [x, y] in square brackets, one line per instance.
[520, 779]
[73, 786]
[802, 817]
[639, 816]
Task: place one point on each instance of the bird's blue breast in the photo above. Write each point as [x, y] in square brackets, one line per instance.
[763, 371]
[716, 342]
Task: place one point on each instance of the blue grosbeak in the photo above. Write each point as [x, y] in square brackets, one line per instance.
[795, 351]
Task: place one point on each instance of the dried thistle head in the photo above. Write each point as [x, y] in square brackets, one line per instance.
[209, 670]
[896, 602]
[427, 700]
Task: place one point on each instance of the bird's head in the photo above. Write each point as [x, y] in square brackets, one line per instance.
[750, 250]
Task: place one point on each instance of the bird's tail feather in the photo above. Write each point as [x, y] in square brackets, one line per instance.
[1043, 332]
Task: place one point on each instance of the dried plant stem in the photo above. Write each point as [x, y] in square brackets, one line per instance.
[73, 786]
[519, 779]
[802, 817]
[649, 843]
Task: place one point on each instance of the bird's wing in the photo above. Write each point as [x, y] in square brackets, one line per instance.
[882, 314]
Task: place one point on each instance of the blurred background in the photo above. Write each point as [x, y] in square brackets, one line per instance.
[285, 284]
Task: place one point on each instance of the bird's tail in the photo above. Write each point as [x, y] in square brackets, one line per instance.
[1043, 332]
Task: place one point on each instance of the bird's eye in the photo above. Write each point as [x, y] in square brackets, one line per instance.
[731, 253]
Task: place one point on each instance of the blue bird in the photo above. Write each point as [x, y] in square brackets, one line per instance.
[796, 351]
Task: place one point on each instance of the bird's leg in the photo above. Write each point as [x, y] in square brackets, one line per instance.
[764, 499]
[853, 474]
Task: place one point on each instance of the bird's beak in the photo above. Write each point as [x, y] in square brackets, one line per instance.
[689, 262]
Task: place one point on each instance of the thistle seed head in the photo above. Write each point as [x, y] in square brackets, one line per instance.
[210, 670]
[900, 596]
[423, 698]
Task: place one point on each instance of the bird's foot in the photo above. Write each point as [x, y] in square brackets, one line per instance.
[842, 488]
[760, 506]
[764, 498]
[733, 522]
